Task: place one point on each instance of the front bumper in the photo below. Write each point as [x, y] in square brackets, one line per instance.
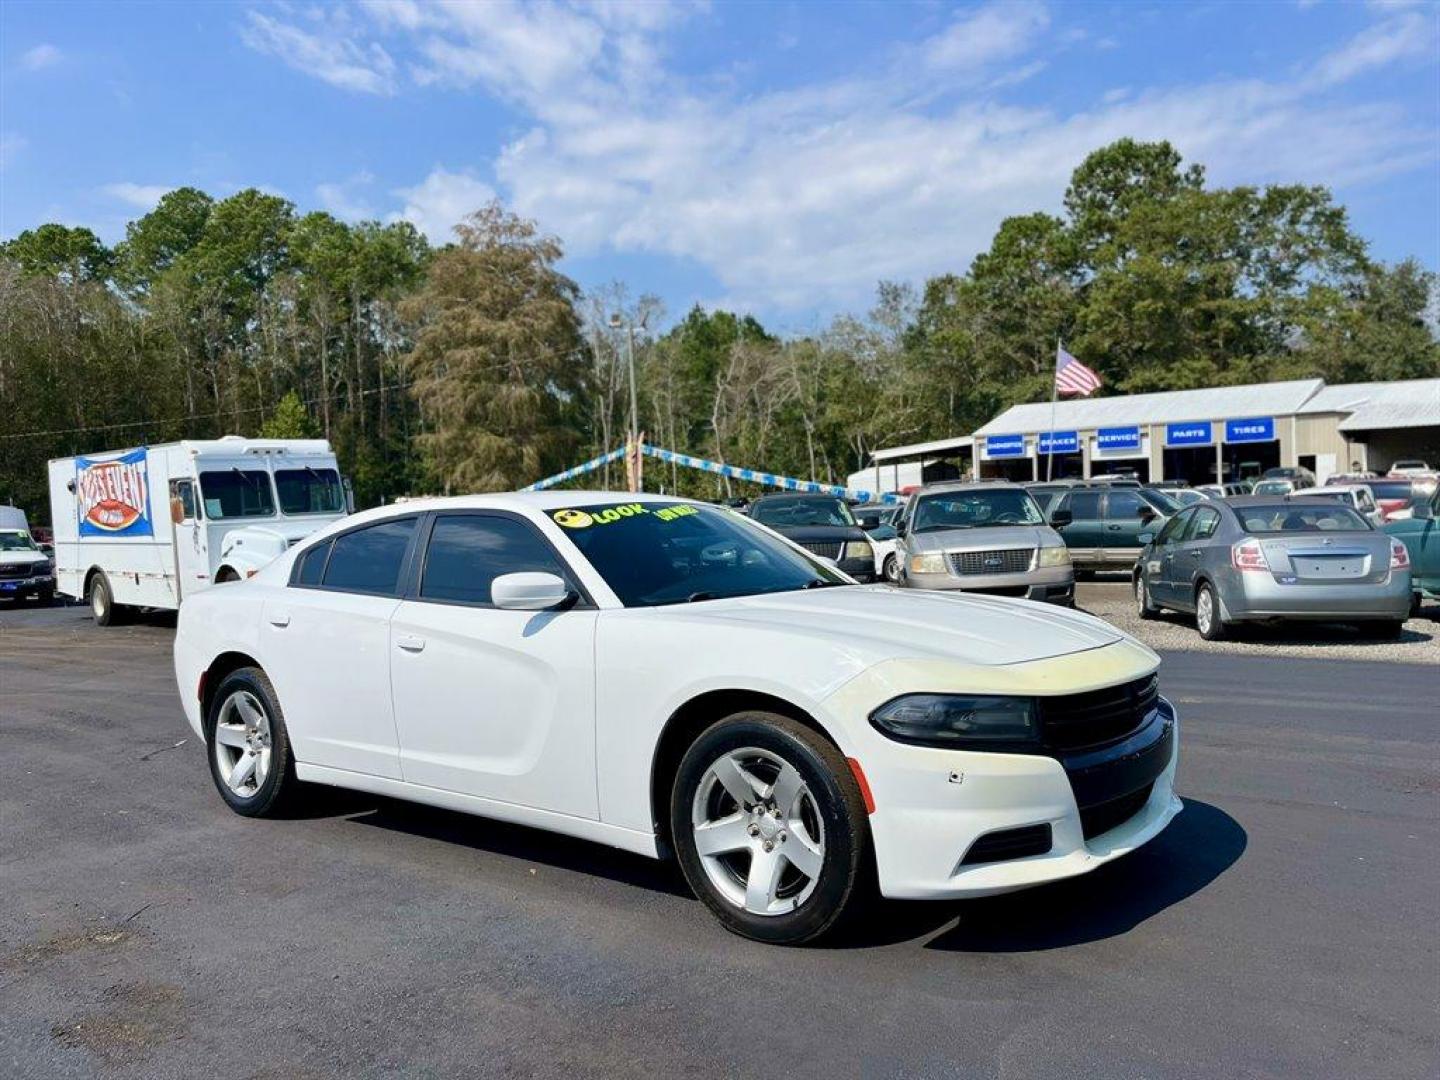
[933, 805]
[1260, 596]
[1055, 584]
[22, 587]
[862, 570]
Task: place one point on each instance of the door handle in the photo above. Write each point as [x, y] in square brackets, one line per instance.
[410, 643]
[279, 619]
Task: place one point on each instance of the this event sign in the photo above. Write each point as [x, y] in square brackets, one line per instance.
[999, 446]
[1117, 438]
[1255, 429]
[112, 496]
[1191, 433]
[1059, 442]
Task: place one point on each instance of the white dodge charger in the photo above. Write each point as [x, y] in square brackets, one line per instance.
[671, 678]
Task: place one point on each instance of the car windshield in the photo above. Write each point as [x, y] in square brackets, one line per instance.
[1274, 487]
[653, 553]
[1391, 489]
[1320, 516]
[785, 513]
[237, 493]
[975, 509]
[309, 491]
[16, 541]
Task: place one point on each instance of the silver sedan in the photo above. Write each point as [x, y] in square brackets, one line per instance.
[1259, 559]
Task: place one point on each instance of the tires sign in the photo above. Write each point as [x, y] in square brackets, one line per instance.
[112, 496]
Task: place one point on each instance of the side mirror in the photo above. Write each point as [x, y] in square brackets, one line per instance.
[900, 527]
[1145, 537]
[1147, 514]
[1060, 518]
[529, 591]
[177, 509]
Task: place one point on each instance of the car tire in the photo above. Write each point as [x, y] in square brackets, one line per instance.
[1383, 630]
[248, 746]
[1208, 618]
[748, 874]
[1143, 606]
[891, 569]
[103, 608]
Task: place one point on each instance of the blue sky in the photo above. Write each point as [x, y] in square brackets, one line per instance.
[775, 158]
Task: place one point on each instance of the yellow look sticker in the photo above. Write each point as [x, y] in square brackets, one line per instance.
[604, 515]
[572, 519]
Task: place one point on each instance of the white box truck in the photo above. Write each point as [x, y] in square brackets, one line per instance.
[148, 526]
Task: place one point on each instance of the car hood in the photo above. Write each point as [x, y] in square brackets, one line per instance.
[987, 539]
[15, 558]
[885, 623]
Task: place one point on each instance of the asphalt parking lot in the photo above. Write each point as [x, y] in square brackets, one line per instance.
[1284, 925]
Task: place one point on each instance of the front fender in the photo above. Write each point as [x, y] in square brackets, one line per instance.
[247, 550]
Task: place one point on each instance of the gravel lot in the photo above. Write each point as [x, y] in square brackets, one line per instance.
[1284, 925]
[1109, 596]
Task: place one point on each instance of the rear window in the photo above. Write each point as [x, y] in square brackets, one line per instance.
[1391, 489]
[369, 560]
[1319, 516]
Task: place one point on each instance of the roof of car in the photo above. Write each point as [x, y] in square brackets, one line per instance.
[773, 496]
[523, 500]
[1329, 488]
[967, 485]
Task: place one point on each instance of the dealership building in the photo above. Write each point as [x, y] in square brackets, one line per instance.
[1192, 435]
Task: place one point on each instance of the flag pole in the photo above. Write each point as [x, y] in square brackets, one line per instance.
[1054, 396]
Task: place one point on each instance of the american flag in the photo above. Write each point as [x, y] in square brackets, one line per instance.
[1073, 377]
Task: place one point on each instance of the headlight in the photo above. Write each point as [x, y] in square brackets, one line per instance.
[1054, 556]
[927, 564]
[857, 549]
[948, 720]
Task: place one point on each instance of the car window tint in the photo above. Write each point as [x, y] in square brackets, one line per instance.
[1124, 505]
[1085, 505]
[312, 565]
[369, 560]
[1202, 524]
[1175, 527]
[467, 553]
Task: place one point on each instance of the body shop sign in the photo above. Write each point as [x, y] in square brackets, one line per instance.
[112, 497]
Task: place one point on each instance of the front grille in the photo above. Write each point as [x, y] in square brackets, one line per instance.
[1106, 816]
[825, 551]
[16, 570]
[1097, 717]
[999, 561]
[1006, 844]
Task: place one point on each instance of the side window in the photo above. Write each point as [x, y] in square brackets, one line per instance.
[1203, 524]
[182, 501]
[1085, 505]
[1366, 502]
[369, 560]
[1174, 528]
[468, 552]
[311, 565]
[1124, 506]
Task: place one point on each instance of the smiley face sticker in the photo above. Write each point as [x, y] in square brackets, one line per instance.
[572, 519]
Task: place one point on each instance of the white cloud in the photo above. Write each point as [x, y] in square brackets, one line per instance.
[143, 196]
[440, 201]
[345, 198]
[41, 56]
[803, 198]
[330, 52]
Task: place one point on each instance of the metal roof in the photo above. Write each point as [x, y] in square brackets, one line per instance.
[924, 449]
[1171, 406]
[1411, 403]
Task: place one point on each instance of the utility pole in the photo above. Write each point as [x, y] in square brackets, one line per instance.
[632, 438]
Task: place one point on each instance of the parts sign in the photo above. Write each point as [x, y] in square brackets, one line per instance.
[112, 496]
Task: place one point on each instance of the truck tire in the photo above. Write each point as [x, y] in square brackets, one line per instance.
[103, 608]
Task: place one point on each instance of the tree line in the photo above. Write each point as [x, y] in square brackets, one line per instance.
[479, 365]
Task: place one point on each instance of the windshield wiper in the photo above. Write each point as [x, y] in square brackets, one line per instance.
[246, 477]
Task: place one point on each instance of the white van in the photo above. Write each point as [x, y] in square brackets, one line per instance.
[147, 527]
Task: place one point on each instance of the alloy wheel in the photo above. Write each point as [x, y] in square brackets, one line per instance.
[758, 832]
[243, 744]
[1204, 611]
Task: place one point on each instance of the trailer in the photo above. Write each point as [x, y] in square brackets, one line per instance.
[149, 526]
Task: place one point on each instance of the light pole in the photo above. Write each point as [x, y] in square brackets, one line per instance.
[633, 438]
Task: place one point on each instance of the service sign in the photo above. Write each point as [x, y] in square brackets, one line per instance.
[112, 496]
[1254, 429]
[1117, 438]
[1059, 442]
[997, 446]
[1189, 434]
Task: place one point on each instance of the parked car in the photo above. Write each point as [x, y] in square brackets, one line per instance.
[1420, 533]
[669, 677]
[1102, 528]
[1358, 497]
[1422, 486]
[987, 537]
[1186, 496]
[26, 572]
[1277, 487]
[1227, 490]
[1392, 494]
[1302, 476]
[1259, 559]
[1407, 466]
[822, 524]
[871, 515]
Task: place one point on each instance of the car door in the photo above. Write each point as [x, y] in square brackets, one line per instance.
[327, 647]
[1160, 566]
[1127, 515]
[491, 702]
[1189, 557]
[1083, 536]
